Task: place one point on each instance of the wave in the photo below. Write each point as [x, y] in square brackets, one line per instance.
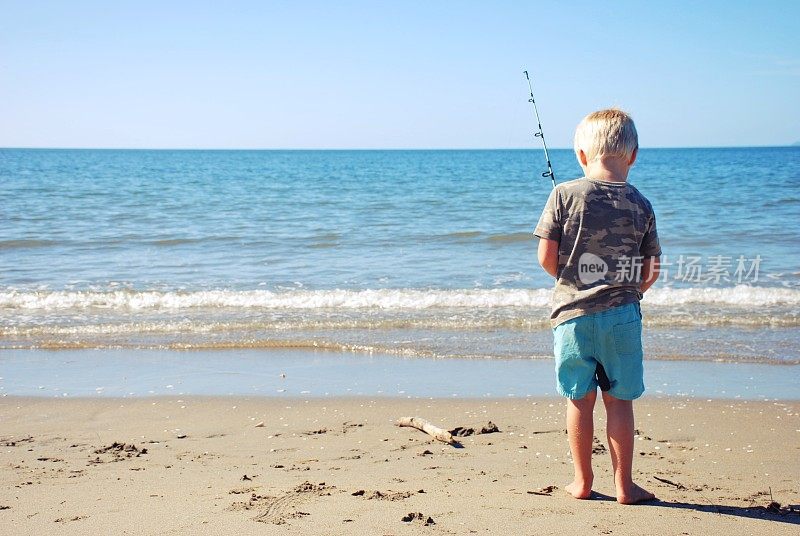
[740, 295]
[24, 244]
[387, 299]
[264, 299]
[176, 241]
[463, 234]
[444, 346]
[267, 344]
[473, 236]
[512, 237]
[457, 237]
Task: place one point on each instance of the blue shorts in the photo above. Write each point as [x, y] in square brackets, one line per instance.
[611, 338]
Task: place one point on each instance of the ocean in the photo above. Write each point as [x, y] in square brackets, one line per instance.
[412, 253]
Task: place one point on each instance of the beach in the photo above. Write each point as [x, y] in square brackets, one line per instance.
[219, 342]
[312, 268]
[261, 465]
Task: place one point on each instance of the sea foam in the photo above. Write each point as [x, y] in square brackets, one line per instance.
[388, 299]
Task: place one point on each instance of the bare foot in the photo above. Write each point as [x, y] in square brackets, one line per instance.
[579, 490]
[634, 495]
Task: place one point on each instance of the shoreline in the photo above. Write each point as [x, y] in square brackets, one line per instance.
[250, 465]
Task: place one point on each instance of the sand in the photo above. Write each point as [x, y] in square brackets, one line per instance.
[340, 466]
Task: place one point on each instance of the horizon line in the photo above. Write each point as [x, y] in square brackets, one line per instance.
[373, 148]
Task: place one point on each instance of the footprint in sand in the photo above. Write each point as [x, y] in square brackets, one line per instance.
[285, 506]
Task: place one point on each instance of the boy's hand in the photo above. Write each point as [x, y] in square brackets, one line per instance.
[548, 256]
[650, 272]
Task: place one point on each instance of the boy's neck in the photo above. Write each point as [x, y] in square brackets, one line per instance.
[611, 169]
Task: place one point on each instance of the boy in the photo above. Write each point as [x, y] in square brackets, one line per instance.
[598, 239]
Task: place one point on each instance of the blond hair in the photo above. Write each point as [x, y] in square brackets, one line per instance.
[608, 132]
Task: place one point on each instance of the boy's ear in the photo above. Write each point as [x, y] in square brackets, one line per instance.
[582, 158]
[634, 154]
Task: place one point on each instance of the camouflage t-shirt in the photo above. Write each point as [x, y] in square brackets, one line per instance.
[604, 230]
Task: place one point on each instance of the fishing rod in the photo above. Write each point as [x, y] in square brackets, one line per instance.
[540, 134]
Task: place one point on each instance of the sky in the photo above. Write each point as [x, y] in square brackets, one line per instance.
[391, 74]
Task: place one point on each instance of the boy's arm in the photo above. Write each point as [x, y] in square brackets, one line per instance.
[548, 256]
[548, 230]
[650, 272]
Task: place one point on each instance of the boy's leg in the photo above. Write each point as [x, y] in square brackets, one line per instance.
[580, 430]
[620, 441]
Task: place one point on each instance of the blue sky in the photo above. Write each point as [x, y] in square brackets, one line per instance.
[345, 74]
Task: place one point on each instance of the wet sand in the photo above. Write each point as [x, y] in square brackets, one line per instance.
[236, 465]
[317, 373]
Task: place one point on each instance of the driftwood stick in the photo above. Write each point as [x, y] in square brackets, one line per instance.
[428, 428]
[670, 482]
